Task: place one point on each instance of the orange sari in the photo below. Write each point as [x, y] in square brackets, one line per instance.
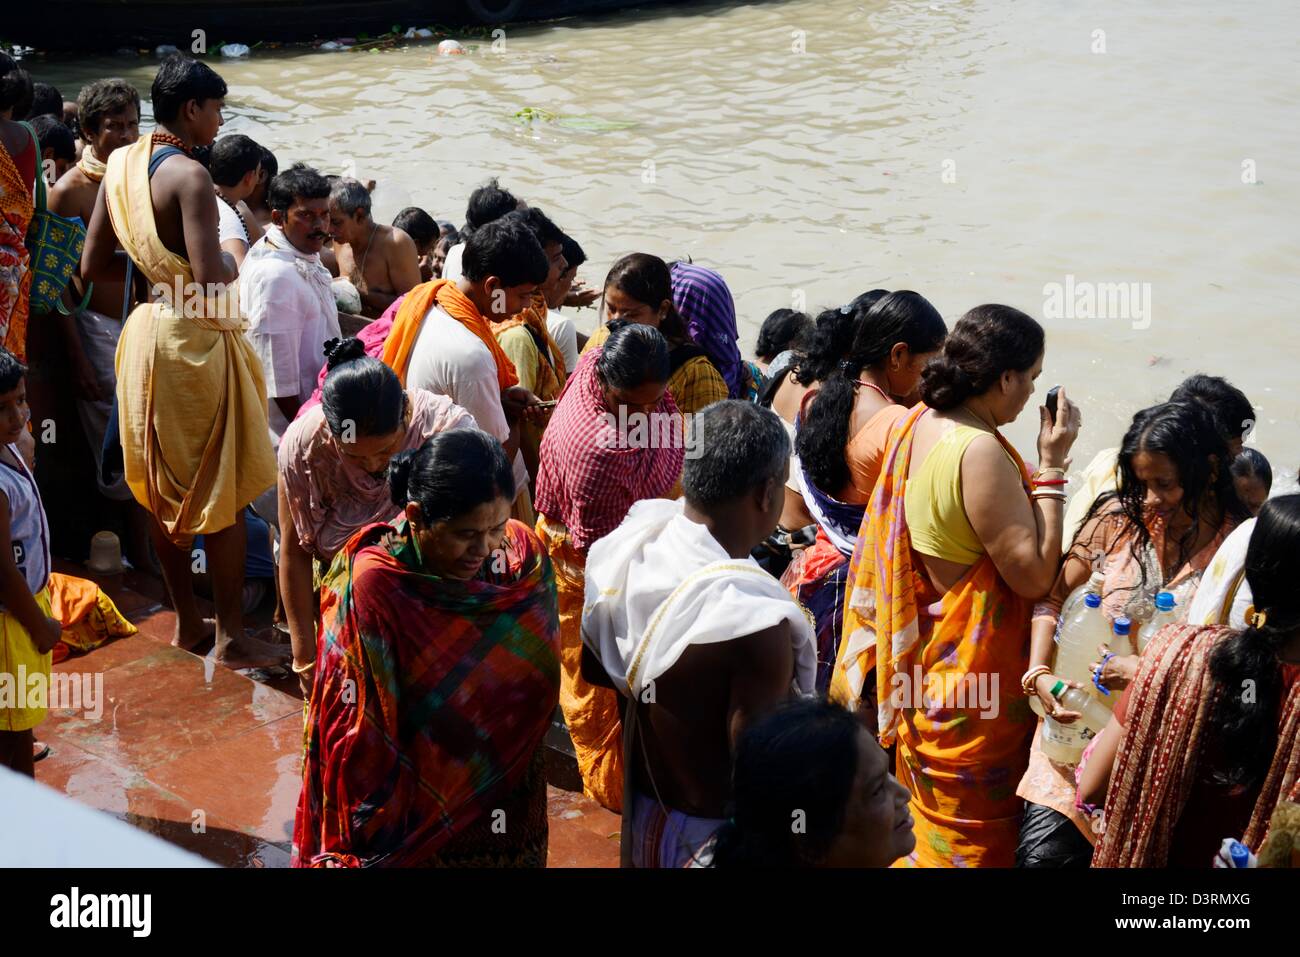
[939, 660]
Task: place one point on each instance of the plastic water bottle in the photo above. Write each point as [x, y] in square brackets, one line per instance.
[1064, 743]
[1077, 640]
[1166, 614]
[1092, 713]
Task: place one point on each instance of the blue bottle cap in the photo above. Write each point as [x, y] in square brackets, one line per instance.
[1122, 626]
[1165, 601]
[1092, 600]
[1239, 853]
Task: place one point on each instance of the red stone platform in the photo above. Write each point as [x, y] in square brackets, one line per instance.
[209, 759]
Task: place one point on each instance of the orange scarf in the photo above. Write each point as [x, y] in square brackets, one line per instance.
[410, 317]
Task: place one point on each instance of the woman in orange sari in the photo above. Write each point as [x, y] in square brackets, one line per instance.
[842, 436]
[1190, 759]
[963, 540]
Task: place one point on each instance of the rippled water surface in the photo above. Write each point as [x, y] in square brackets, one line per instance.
[974, 151]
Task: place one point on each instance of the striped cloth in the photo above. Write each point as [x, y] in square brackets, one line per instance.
[590, 472]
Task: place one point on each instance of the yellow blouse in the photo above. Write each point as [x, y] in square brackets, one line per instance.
[936, 512]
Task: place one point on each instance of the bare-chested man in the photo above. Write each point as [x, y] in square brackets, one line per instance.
[191, 400]
[681, 620]
[381, 261]
[109, 114]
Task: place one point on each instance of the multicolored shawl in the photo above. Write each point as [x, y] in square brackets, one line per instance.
[593, 467]
[706, 305]
[430, 701]
[960, 761]
[17, 206]
[1172, 705]
[410, 317]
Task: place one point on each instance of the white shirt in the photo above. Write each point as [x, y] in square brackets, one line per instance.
[450, 360]
[565, 333]
[286, 297]
[230, 225]
[451, 266]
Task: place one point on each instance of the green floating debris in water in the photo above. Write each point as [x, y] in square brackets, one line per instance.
[589, 124]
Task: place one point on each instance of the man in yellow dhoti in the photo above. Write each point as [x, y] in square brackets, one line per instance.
[190, 392]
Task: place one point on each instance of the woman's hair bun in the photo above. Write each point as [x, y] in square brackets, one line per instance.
[339, 351]
[399, 475]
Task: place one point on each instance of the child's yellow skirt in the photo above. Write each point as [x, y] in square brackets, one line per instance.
[19, 661]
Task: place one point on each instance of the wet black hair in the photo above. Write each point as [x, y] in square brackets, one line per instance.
[647, 279]
[1251, 462]
[11, 371]
[902, 316]
[102, 99]
[487, 203]
[1189, 436]
[52, 134]
[453, 473]
[547, 232]
[15, 87]
[270, 165]
[783, 329]
[633, 355]
[299, 180]
[46, 101]
[417, 224]
[1229, 405]
[1247, 724]
[803, 755]
[507, 249]
[233, 157]
[573, 253]
[832, 338]
[361, 390]
[180, 79]
[986, 342]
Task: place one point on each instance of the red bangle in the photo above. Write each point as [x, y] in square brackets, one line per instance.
[1038, 483]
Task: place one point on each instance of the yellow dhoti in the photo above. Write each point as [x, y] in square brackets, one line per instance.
[190, 390]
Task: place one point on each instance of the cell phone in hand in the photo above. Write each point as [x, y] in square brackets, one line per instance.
[1052, 393]
[546, 404]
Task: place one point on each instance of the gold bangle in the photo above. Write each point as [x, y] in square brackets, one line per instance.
[1031, 676]
[302, 670]
[1056, 496]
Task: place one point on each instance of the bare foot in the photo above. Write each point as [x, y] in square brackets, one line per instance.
[199, 641]
[249, 652]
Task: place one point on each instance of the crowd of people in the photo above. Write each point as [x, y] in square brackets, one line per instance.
[732, 577]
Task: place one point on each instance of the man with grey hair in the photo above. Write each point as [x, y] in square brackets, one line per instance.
[381, 261]
[696, 638]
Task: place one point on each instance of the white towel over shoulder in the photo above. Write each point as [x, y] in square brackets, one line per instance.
[660, 583]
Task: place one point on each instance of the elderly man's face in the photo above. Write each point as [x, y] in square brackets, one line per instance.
[352, 229]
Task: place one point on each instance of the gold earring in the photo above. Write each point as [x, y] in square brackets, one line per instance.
[1256, 619]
